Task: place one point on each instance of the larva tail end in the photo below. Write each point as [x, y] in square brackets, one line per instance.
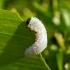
[27, 53]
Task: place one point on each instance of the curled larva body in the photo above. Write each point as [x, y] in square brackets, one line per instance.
[41, 37]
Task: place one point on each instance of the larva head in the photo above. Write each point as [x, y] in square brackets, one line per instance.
[28, 20]
[32, 23]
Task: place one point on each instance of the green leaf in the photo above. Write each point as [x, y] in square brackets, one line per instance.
[59, 57]
[1, 4]
[14, 39]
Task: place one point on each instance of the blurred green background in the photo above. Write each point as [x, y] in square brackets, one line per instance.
[55, 14]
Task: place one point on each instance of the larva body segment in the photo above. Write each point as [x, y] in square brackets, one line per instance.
[41, 37]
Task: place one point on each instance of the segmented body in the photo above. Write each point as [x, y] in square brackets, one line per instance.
[41, 37]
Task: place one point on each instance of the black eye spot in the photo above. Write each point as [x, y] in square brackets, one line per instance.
[28, 20]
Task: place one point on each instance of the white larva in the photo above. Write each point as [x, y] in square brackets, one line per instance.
[41, 37]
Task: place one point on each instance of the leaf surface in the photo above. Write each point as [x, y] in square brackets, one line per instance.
[14, 39]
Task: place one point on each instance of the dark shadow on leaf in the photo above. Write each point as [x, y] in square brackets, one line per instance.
[14, 50]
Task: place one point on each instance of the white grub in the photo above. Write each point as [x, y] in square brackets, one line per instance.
[41, 37]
